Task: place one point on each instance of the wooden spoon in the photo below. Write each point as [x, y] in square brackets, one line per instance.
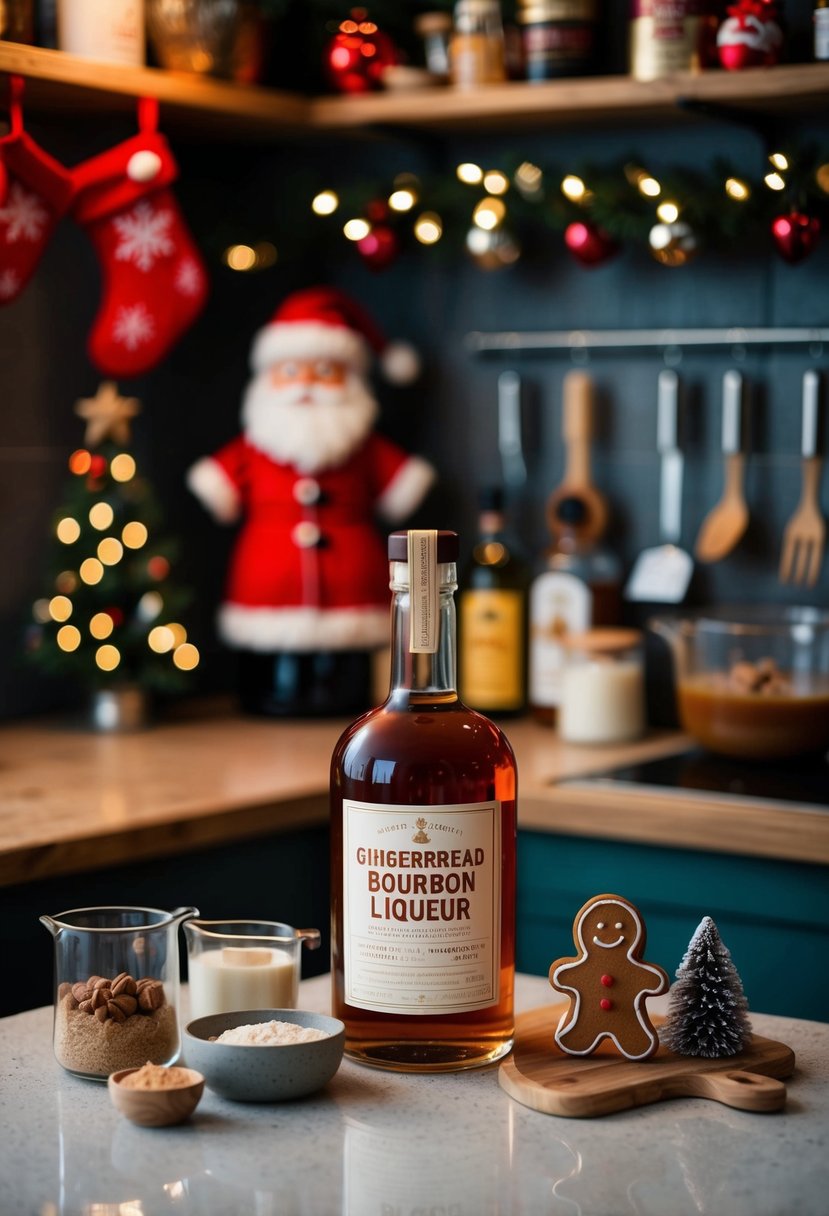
[727, 521]
[576, 506]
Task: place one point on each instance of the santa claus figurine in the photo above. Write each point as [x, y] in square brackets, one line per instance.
[307, 597]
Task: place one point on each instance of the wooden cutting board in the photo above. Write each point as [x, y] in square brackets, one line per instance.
[540, 1075]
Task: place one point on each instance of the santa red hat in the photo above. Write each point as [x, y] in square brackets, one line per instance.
[325, 323]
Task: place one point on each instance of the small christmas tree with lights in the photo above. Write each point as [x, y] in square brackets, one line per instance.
[707, 1015]
[111, 615]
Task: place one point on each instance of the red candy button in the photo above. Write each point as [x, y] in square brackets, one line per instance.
[607, 980]
[605, 1003]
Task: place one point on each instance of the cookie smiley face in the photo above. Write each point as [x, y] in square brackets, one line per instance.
[608, 982]
[609, 925]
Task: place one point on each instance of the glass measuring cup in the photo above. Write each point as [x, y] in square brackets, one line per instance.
[244, 964]
[116, 990]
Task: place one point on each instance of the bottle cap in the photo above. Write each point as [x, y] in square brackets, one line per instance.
[447, 547]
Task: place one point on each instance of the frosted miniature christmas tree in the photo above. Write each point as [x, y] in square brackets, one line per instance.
[707, 1014]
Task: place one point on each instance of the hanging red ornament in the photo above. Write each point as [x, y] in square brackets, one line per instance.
[380, 247]
[97, 468]
[589, 244]
[795, 235]
[750, 36]
[358, 54]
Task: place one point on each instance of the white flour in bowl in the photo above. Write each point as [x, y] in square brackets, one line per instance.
[269, 1034]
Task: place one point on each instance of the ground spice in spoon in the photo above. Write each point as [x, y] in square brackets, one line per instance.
[156, 1076]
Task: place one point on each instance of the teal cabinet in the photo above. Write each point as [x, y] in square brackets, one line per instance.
[772, 915]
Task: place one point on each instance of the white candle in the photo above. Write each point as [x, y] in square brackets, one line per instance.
[602, 701]
[242, 977]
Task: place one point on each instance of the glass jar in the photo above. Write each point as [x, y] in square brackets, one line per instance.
[244, 964]
[116, 988]
[476, 51]
[558, 38]
[602, 687]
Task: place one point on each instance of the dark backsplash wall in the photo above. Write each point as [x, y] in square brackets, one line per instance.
[191, 402]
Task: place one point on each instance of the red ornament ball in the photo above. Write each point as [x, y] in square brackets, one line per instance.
[358, 54]
[795, 235]
[379, 248]
[749, 37]
[589, 244]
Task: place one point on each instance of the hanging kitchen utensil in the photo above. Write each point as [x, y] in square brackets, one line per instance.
[509, 430]
[576, 506]
[662, 574]
[805, 534]
[725, 524]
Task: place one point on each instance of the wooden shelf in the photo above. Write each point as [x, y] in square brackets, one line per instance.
[64, 83]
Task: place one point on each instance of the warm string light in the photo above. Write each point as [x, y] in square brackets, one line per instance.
[428, 228]
[356, 229]
[68, 530]
[101, 516]
[122, 467]
[134, 535]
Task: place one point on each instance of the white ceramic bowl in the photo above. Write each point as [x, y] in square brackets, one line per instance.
[264, 1073]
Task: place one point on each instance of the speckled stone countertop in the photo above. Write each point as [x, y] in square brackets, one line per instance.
[386, 1144]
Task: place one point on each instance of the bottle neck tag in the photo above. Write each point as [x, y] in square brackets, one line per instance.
[424, 592]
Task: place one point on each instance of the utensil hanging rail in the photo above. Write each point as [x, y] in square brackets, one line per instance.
[576, 340]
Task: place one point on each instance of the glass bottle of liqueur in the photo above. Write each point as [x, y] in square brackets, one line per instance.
[579, 587]
[493, 617]
[423, 797]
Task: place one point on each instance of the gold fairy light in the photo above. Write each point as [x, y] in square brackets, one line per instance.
[774, 181]
[737, 189]
[68, 530]
[239, 257]
[134, 535]
[402, 200]
[356, 229]
[107, 657]
[470, 174]
[179, 633]
[91, 571]
[122, 467]
[668, 212]
[40, 611]
[528, 179]
[649, 186]
[186, 657]
[101, 516]
[573, 187]
[60, 608]
[325, 203]
[68, 637]
[161, 639]
[496, 182]
[489, 213]
[110, 551]
[428, 228]
[779, 161]
[101, 626]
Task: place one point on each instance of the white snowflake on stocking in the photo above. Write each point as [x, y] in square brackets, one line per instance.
[9, 284]
[188, 279]
[133, 326]
[144, 236]
[24, 215]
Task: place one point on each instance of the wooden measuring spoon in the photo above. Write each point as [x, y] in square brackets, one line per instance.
[576, 506]
[727, 521]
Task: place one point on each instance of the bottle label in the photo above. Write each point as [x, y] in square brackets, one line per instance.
[421, 906]
[559, 604]
[491, 648]
[424, 591]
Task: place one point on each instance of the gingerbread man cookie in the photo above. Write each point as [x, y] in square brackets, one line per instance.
[608, 982]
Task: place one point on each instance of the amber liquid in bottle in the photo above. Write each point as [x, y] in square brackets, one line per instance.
[423, 747]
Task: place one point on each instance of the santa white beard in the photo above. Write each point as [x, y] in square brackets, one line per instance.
[311, 427]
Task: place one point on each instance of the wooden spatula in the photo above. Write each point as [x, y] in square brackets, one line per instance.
[576, 505]
[805, 534]
[727, 521]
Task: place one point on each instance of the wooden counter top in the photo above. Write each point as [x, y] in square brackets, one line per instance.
[73, 800]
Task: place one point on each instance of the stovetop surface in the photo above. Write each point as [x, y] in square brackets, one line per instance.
[800, 781]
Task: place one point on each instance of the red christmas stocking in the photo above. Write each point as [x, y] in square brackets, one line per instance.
[35, 191]
[155, 282]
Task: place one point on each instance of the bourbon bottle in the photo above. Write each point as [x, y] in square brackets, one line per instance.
[423, 799]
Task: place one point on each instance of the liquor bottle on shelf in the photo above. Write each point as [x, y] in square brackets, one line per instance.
[492, 622]
[579, 587]
[423, 801]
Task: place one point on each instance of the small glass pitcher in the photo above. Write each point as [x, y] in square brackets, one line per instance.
[116, 988]
[244, 964]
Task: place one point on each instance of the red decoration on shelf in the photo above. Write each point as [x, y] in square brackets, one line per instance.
[97, 468]
[750, 36]
[380, 247]
[358, 54]
[795, 235]
[589, 244]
